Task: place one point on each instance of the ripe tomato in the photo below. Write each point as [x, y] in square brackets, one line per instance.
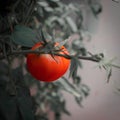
[45, 67]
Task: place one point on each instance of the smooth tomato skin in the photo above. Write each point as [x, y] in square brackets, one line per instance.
[46, 68]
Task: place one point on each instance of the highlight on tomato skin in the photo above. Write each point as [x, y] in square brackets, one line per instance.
[45, 67]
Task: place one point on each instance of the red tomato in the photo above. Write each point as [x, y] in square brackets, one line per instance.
[45, 67]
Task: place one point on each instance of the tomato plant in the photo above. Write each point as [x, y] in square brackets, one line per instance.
[47, 67]
[20, 24]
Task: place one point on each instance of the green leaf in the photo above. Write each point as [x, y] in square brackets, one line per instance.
[79, 101]
[96, 9]
[43, 3]
[109, 73]
[58, 104]
[107, 64]
[64, 108]
[65, 85]
[77, 80]
[49, 9]
[85, 90]
[24, 36]
[71, 24]
[75, 63]
[53, 19]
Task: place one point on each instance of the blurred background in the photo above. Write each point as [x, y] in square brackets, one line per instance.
[103, 103]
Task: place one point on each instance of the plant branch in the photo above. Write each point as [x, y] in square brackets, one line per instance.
[25, 52]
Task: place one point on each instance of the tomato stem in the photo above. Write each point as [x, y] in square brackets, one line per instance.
[25, 52]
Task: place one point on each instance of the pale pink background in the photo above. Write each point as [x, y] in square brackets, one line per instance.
[103, 103]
